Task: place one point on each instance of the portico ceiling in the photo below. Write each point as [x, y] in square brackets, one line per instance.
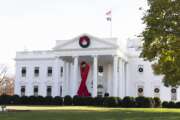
[103, 59]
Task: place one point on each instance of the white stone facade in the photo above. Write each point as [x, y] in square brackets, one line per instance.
[119, 72]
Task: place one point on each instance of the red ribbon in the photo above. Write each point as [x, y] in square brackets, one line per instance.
[84, 69]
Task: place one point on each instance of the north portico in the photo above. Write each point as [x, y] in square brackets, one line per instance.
[89, 66]
[106, 60]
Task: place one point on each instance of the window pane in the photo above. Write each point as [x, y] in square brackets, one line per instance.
[49, 71]
[35, 90]
[61, 71]
[23, 71]
[49, 90]
[36, 71]
[60, 91]
[23, 90]
[100, 69]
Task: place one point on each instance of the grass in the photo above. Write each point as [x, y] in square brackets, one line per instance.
[89, 113]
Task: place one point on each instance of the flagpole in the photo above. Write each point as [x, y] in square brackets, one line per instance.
[109, 19]
[111, 27]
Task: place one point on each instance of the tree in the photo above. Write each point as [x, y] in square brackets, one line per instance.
[3, 73]
[7, 86]
[6, 82]
[161, 39]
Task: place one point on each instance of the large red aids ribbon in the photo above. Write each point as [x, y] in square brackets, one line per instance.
[84, 69]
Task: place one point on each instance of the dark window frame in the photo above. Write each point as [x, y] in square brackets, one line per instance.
[141, 68]
[36, 90]
[49, 71]
[36, 71]
[23, 90]
[49, 90]
[100, 69]
[61, 71]
[23, 71]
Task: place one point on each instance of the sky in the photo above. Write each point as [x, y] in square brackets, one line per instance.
[37, 24]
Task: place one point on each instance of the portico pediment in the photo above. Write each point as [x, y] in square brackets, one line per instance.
[86, 41]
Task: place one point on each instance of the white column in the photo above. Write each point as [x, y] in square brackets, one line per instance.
[109, 80]
[120, 78]
[123, 80]
[71, 78]
[67, 77]
[75, 74]
[55, 86]
[115, 76]
[95, 63]
[63, 79]
[29, 82]
[125, 70]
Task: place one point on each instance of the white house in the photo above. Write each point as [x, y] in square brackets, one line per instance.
[87, 65]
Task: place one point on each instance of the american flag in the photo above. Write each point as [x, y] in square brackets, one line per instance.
[108, 15]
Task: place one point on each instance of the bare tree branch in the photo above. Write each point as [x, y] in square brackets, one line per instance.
[3, 72]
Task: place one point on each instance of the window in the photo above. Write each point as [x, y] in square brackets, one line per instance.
[23, 90]
[49, 71]
[100, 69]
[36, 90]
[140, 91]
[140, 68]
[60, 91]
[173, 94]
[156, 92]
[49, 91]
[61, 71]
[36, 71]
[23, 72]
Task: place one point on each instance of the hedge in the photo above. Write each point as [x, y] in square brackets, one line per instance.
[170, 104]
[98, 101]
[82, 101]
[87, 101]
[68, 100]
[144, 102]
[157, 102]
[128, 102]
[111, 101]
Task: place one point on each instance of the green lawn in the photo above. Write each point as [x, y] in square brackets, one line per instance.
[89, 113]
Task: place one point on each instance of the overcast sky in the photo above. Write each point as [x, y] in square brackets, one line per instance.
[36, 24]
